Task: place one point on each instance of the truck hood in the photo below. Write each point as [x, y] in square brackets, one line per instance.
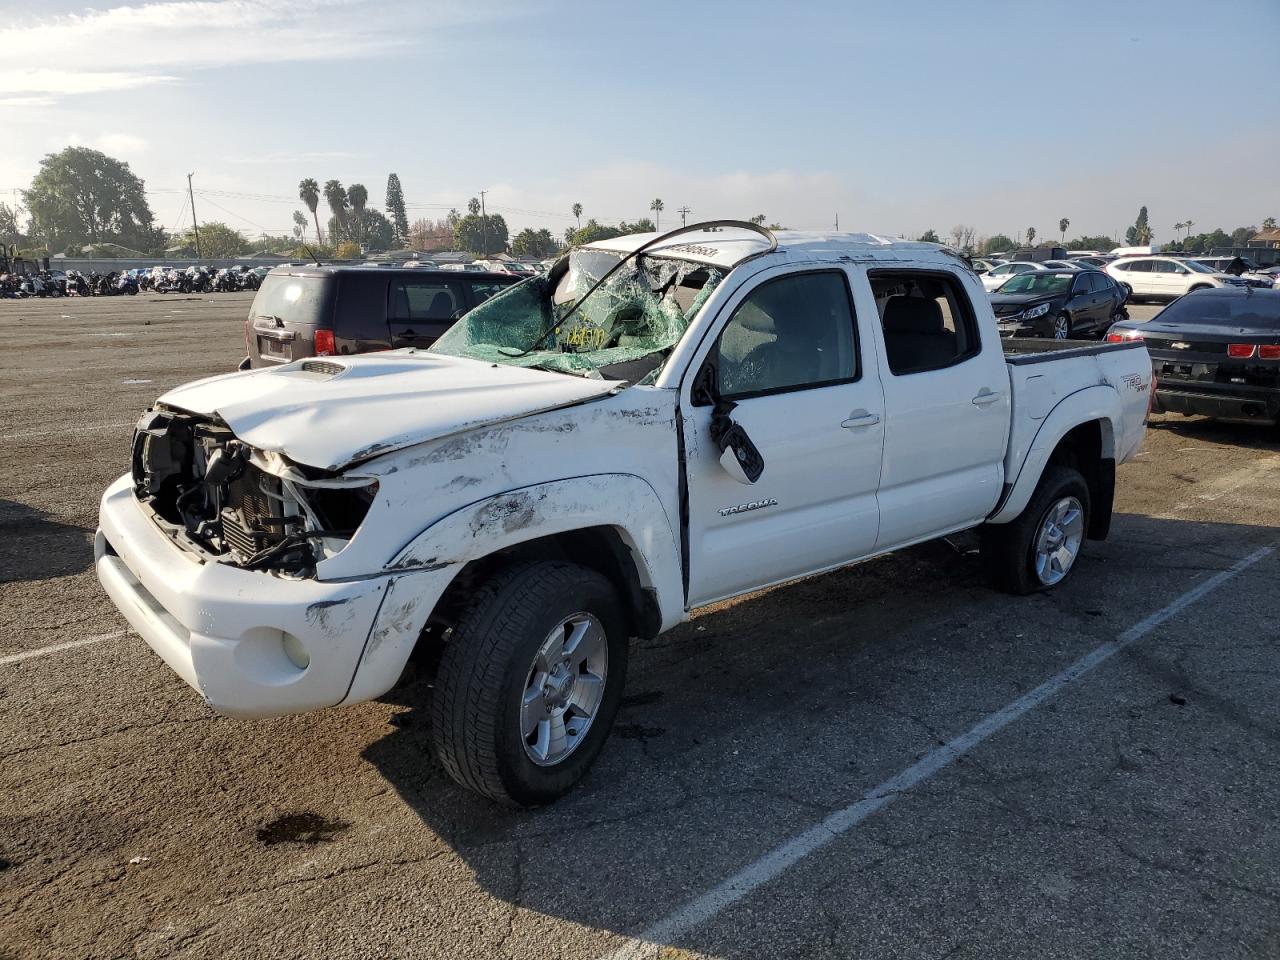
[333, 412]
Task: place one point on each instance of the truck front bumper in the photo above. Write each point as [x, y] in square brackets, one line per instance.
[253, 643]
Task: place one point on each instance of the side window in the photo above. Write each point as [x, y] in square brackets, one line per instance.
[484, 289]
[1082, 284]
[927, 320]
[425, 300]
[791, 333]
[1140, 266]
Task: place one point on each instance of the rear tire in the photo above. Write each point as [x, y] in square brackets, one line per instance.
[1014, 553]
[489, 674]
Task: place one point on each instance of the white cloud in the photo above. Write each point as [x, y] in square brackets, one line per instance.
[308, 156]
[120, 144]
[130, 46]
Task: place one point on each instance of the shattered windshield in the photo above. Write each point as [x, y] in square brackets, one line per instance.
[623, 331]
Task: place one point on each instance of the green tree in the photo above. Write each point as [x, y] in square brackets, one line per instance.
[930, 236]
[533, 243]
[371, 225]
[320, 251]
[84, 196]
[657, 207]
[217, 240]
[1269, 223]
[577, 214]
[758, 219]
[1091, 243]
[336, 197]
[998, 244]
[1062, 228]
[1139, 235]
[486, 234]
[309, 193]
[348, 250]
[473, 206]
[10, 232]
[1242, 235]
[1031, 235]
[358, 198]
[396, 211]
[299, 225]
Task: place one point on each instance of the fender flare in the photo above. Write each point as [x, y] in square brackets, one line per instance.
[1100, 402]
[423, 570]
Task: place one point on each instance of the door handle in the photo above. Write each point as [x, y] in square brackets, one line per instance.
[986, 397]
[860, 418]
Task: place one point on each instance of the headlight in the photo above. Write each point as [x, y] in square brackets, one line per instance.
[1037, 311]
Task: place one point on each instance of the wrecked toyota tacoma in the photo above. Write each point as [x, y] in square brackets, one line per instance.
[659, 423]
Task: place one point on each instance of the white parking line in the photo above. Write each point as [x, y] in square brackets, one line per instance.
[56, 647]
[780, 858]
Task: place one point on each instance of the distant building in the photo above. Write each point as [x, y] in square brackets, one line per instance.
[1267, 239]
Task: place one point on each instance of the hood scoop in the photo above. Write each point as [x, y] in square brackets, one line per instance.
[321, 369]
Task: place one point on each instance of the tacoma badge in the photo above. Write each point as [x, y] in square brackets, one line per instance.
[745, 507]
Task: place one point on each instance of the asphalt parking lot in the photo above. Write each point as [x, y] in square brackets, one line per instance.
[785, 779]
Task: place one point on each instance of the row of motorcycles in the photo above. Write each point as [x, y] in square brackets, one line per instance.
[73, 283]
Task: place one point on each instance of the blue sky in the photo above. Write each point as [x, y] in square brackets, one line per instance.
[896, 116]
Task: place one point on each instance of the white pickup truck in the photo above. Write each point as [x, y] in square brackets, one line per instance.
[658, 423]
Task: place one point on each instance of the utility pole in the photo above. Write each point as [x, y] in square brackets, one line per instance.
[191, 195]
[484, 226]
[684, 212]
[837, 222]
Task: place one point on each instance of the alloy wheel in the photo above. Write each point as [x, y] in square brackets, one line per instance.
[564, 689]
[1058, 540]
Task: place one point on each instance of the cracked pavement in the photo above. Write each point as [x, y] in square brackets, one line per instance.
[1132, 815]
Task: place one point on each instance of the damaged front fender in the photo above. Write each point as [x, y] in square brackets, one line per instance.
[425, 566]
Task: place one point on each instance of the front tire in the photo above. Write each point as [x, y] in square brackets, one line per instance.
[1062, 327]
[530, 681]
[1038, 550]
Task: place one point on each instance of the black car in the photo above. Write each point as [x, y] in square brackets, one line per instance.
[324, 311]
[1063, 304]
[1214, 352]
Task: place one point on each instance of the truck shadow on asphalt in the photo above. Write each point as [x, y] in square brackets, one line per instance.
[760, 717]
[34, 547]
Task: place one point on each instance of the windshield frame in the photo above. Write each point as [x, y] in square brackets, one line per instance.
[636, 288]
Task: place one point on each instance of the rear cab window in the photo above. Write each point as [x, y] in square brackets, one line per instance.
[927, 320]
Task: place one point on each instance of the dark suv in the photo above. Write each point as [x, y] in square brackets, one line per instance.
[326, 311]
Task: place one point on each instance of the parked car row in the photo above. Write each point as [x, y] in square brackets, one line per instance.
[160, 279]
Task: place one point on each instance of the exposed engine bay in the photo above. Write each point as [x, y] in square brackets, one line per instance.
[215, 494]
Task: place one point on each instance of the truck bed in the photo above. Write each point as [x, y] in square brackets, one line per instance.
[1026, 350]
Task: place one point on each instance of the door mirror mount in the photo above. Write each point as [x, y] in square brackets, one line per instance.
[739, 456]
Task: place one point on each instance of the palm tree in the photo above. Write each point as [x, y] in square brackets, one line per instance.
[309, 193]
[358, 196]
[1189, 224]
[1031, 235]
[1062, 226]
[1269, 223]
[657, 208]
[577, 213]
[1176, 227]
[336, 197]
